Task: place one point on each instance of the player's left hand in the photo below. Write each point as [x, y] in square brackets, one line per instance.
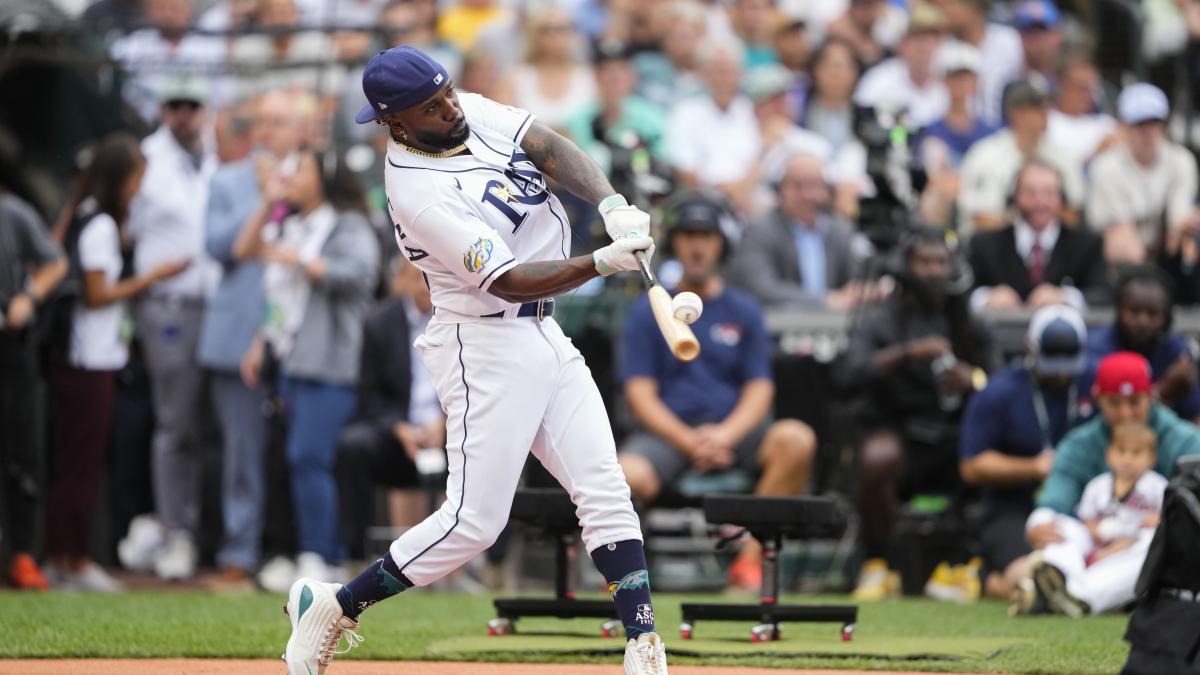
[622, 220]
[20, 310]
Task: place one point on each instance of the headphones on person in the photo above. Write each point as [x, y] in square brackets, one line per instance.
[1010, 201]
[962, 278]
[1146, 274]
[675, 208]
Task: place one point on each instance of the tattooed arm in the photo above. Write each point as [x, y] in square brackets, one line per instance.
[543, 279]
[562, 160]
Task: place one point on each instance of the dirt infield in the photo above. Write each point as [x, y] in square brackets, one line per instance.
[224, 667]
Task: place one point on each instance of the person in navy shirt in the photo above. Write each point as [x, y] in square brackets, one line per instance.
[1009, 432]
[713, 413]
[1142, 325]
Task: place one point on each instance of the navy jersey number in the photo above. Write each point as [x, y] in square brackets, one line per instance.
[498, 195]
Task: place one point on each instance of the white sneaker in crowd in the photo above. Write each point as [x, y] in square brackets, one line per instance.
[312, 566]
[141, 548]
[178, 559]
[647, 655]
[93, 578]
[318, 625]
[277, 575]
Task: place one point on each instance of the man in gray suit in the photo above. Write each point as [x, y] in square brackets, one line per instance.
[802, 255]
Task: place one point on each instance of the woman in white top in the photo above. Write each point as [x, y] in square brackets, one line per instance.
[83, 375]
[552, 83]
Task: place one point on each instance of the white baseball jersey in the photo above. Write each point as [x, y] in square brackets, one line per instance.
[465, 220]
[1099, 501]
[511, 385]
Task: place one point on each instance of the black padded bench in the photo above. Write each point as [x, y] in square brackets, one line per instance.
[770, 520]
[550, 511]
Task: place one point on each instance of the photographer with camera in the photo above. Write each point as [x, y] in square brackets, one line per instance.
[915, 358]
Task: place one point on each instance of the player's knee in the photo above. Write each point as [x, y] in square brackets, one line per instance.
[791, 443]
[640, 476]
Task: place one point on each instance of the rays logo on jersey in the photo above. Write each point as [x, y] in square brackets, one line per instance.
[478, 255]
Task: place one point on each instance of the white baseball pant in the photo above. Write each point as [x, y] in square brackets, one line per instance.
[508, 387]
[1105, 585]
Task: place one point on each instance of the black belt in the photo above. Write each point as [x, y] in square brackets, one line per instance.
[540, 308]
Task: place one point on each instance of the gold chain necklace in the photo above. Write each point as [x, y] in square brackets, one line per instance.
[435, 155]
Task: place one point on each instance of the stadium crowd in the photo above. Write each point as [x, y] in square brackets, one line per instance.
[217, 288]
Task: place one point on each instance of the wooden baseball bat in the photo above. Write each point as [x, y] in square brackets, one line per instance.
[679, 336]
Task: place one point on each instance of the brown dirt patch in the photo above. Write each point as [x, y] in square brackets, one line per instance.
[232, 667]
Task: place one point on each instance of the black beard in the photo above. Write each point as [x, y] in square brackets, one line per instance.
[444, 142]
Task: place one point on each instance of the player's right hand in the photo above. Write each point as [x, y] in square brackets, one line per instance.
[618, 256]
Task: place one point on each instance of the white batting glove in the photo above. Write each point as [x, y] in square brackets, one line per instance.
[622, 220]
[618, 256]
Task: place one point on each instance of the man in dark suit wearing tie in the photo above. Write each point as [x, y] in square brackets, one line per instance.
[1035, 261]
[801, 255]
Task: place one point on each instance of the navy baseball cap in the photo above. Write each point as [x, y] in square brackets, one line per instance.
[399, 78]
[1057, 338]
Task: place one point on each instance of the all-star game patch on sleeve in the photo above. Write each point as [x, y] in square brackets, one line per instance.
[463, 244]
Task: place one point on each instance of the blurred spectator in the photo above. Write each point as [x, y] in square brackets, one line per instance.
[481, 74]
[957, 65]
[462, 24]
[321, 264]
[714, 413]
[153, 56]
[779, 139]
[916, 357]
[1143, 326]
[398, 411]
[619, 121]
[670, 74]
[1143, 195]
[1076, 125]
[753, 21]
[1124, 393]
[1035, 261]
[552, 83]
[991, 165]
[908, 81]
[792, 48]
[84, 375]
[802, 255]
[1009, 432]
[166, 225]
[942, 145]
[414, 23]
[829, 110]
[1041, 40]
[236, 200]
[31, 265]
[1001, 53]
[276, 56]
[1117, 516]
[701, 157]
[871, 27]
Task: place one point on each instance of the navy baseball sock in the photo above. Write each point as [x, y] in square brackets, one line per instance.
[623, 565]
[378, 582]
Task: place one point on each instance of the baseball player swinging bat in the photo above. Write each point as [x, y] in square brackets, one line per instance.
[679, 336]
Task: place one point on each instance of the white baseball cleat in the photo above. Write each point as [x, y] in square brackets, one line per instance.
[318, 625]
[647, 655]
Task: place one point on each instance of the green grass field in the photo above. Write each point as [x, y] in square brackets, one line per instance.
[184, 624]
